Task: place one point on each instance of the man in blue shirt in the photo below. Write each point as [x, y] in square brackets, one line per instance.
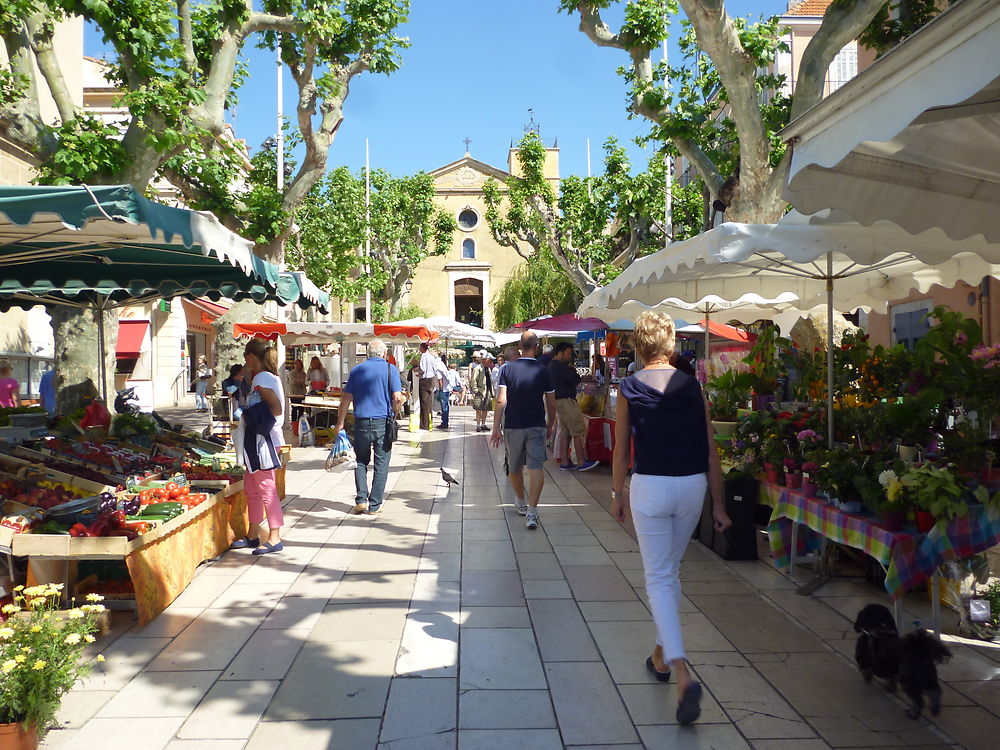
[47, 391]
[368, 387]
[526, 407]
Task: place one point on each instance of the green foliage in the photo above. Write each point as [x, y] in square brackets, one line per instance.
[537, 287]
[935, 490]
[729, 392]
[896, 20]
[406, 227]
[408, 311]
[89, 147]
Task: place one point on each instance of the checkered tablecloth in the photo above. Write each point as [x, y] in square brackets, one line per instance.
[909, 558]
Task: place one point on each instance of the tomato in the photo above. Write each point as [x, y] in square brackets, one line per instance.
[146, 497]
[170, 486]
[185, 490]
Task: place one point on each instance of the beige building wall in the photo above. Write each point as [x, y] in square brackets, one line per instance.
[459, 190]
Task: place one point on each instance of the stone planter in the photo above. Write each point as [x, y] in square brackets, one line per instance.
[16, 737]
[724, 429]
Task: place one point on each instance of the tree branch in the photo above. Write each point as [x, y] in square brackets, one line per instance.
[842, 24]
[184, 30]
[596, 30]
[219, 79]
[196, 193]
[39, 36]
[553, 238]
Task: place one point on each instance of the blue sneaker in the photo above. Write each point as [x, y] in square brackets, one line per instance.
[568, 467]
[586, 466]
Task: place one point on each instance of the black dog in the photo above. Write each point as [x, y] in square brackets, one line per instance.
[921, 653]
[879, 649]
[912, 659]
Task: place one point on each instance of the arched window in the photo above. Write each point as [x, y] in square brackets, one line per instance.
[469, 248]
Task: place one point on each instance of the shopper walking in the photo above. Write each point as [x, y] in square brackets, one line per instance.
[374, 389]
[663, 413]
[565, 379]
[297, 389]
[479, 385]
[526, 407]
[10, 389]
[202, 374]
[258, 438]
[428, 384]
[444, 395]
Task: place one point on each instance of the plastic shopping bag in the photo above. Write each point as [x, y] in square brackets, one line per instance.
[307, 438]
[341, 456]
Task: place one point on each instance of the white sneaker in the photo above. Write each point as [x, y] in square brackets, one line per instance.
[521, 508]
[531, 520]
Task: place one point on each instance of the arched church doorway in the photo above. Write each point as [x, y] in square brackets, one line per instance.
[469, 301]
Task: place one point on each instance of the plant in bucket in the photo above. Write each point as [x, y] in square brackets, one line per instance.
[774, 451]
[41, 658]
[809, 470]
[793, 473]
[892, 509]
[937, 495]
[727, 394]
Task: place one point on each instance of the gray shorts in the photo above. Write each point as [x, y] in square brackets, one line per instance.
[525, 446]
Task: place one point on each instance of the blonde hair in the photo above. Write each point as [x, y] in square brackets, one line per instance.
[267, 355]
[654, 336]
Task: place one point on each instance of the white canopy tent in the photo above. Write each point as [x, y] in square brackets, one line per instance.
[814, 258]
[914, 139]
[446, 328]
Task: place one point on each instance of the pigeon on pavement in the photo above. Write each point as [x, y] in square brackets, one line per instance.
[448, 477]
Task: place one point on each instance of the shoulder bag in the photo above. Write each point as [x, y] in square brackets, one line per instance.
[391, 425]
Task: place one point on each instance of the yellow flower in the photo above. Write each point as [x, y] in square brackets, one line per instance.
[92, 607]
[100, 657]
[8, 666]
[20, 658]
[9, 609]
[40, 664]
[6, 633]
[73, 638]
[36, 628]
[89, 638]
[19, 588]
[33, 591]
[95, 598]
[74, 614]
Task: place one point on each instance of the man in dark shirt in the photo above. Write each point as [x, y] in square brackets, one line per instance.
[565, 380]
[526, 407]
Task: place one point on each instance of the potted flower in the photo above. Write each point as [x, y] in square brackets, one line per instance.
[892, 510]
[774, 452]
[41, 651]
[793, 474]
[727, 394]
[809, 470]
[936, 494]
[766, 365]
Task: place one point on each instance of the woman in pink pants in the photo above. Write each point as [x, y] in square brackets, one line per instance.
[258, 438]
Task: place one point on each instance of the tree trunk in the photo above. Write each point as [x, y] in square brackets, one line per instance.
[229, 350]
[78, 378]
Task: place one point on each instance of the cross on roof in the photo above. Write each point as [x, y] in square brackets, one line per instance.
[467, 141]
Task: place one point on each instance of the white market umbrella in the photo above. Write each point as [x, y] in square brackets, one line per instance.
[447, 328]
[809, 257]
[915, 138]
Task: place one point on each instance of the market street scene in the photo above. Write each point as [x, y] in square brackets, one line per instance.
[395, 375]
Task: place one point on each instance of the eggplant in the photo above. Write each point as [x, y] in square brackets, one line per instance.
[107, 502]
[132, 506]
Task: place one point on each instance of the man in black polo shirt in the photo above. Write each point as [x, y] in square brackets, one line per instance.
[565, 380]
[526, 406]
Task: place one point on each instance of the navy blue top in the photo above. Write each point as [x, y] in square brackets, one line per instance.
[527, 382]
[666, 412]
[368, 387]
[565, 378]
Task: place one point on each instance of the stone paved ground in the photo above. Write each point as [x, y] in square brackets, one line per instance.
[444, 623]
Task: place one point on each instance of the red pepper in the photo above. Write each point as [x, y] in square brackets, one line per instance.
[79, 530]
[100, 527]
[129, 534]
[116, 519]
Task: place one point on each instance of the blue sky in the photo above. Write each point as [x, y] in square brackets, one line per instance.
[474, 69]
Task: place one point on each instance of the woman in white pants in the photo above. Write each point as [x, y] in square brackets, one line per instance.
[664, 416]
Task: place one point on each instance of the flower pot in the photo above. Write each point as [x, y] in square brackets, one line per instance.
[17, 737]
[907, 453]
[925, 521]
[771, 473]
[762, 401]
[809, 488]
[793, 479]
[892, 520]
[724, 429]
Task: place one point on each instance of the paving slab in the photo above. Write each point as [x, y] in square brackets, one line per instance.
[561, 631]
[230, 710]
[419, 709]
[500, 659]
[505, 709]
[587, 704]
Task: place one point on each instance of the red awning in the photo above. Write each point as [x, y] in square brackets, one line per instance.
[211, 308]
[131, 335]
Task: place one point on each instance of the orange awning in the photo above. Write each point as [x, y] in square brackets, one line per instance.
[303, 334]
[131, 335]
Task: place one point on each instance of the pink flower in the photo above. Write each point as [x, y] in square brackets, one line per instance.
[960, 338]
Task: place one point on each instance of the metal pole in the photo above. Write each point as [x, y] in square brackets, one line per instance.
[368, 238]
[829, 350]
[668, 208]
[708, 336]
[101, 352]
[279, 137]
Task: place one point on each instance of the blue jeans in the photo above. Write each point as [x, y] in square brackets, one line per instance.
[445, 398]
[200, 388]
[369, 434]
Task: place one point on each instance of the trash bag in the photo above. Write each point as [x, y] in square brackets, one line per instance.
[341, 456]
[307, 438]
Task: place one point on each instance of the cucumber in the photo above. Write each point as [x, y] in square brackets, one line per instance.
[161, 507]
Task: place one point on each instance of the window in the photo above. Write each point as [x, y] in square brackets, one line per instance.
[844, 66]
[469, 248]
[468, 219]
[909, 322]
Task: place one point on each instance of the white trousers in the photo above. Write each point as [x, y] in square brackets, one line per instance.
[665, 511]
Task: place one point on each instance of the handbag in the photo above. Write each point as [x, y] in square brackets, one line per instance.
[391, 425]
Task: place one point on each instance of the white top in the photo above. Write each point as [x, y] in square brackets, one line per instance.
[269, 380]
[453, 379]
[317, 375]
[428, 365]
[441, 370]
